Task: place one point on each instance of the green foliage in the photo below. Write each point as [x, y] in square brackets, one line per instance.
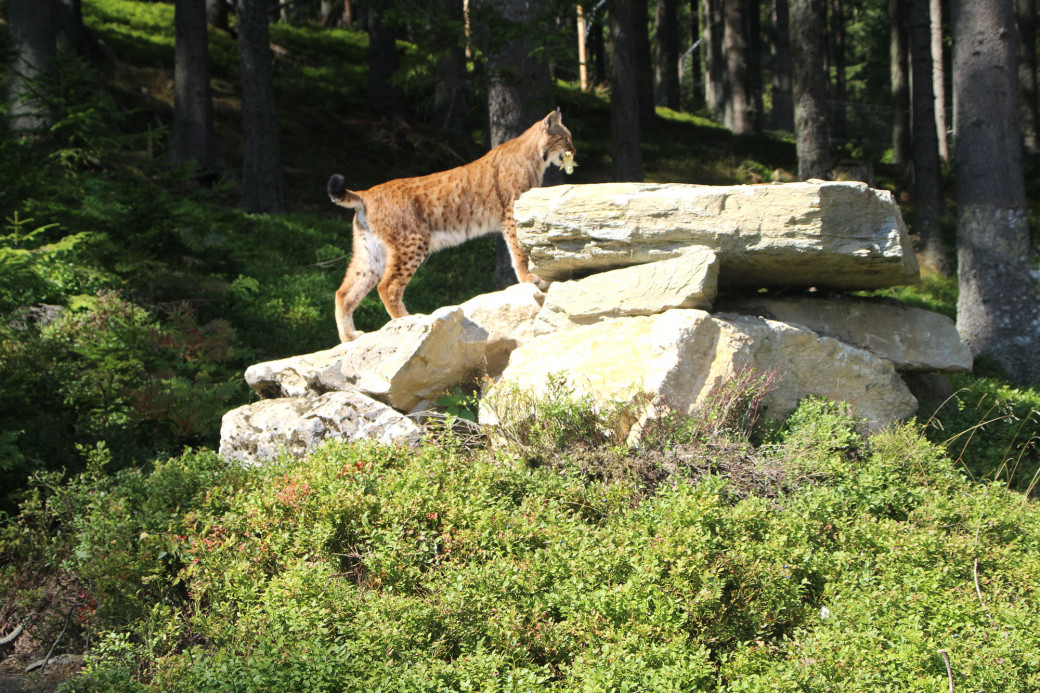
[370, 568]
[993, 430]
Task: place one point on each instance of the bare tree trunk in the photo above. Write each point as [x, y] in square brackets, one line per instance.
[696, 79]
[625, 152]
[714, 63]
[939, 77]
[666, 53]
[737, 114]
[261, 157]
[383, 95]
[192, 137]
[783, 103]
[599, 51]
[808, 47]
[217, 14]
[900, 87]
[640, 30]
[34, 29]
[1025, 19]
[451, 105]
[837, 50]
[998, 307]
[928, 193]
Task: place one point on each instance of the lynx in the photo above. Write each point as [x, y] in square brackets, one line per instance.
[399, 223]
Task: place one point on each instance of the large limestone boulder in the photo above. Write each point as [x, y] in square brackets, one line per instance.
[509, 318]
[408, 362]
[824, 234]
[687, 281]
[911, 338]
[679, 357]
[294, 425]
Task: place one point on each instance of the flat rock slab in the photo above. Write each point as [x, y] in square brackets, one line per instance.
[269, 428]
[911, 338]
[824, 234]
[687, 281]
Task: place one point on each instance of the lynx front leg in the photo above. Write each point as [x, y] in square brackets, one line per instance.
[401, 265]
[518, 254]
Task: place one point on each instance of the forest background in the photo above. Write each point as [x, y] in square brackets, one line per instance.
[165, 223]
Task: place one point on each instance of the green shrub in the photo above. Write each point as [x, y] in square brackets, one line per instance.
[992, 429]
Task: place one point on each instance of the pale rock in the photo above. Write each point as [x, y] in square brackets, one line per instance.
[824, 234]
[679, 357]
[294, 425]
[687, 281]
[509, 318]
[911, 338]
[410, 360]
[295, 376]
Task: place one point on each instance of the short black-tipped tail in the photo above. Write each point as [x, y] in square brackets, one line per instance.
[337, 188]
[339, 194]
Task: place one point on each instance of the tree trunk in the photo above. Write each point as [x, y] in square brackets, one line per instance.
[192, 138]
[599, 51]
[939, 77]
[519, 90]
[625, 152]
[666, 54]
[753, 31]
[783, 103]
[1025, 19]
[450, 103]
[217, 14]
[34, 29]
[714, 63]
[928, 194]
[998, 307]
[734, 47]
[261, 158]
[644, 64]
[39, 30]
[808, 48]
[837, 50]
[900, 87]
[383, 95]
[696, 79]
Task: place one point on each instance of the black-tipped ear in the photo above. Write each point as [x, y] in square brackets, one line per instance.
[337, 187]
[552, 119]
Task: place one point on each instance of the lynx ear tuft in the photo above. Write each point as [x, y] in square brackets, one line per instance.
[337, 188]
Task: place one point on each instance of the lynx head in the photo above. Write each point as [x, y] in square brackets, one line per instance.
[557, 147]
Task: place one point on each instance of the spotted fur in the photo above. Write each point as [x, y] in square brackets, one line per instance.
[399, 223]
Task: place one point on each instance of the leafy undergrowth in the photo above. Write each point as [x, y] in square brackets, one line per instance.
[830, 562]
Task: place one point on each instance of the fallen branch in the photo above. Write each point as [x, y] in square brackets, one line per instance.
[43, 662]
[949, 669]
[8, 640]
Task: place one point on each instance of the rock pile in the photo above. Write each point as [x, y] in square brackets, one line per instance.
[657, 292]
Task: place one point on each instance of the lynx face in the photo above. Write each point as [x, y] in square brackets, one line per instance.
[558, 148]
[399, 223]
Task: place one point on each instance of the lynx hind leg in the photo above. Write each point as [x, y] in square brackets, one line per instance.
[401, 265]
[363, 272]
[518, 254]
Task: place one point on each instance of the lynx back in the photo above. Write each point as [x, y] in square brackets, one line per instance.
[399, 223]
